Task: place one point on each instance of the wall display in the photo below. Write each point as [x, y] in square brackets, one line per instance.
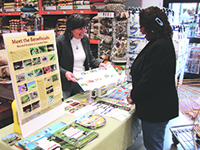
[76, 135]
[112, 31]
[136, 41]
[120, 35]
[181, 45]
[35, 76]
[104, 34]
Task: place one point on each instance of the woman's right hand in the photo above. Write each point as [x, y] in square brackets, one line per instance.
[129, 99]
[70, 76]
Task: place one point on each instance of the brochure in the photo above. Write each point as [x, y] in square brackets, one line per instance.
[11, 138]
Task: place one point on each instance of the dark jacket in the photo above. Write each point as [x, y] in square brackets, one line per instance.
[66, 58]
[153, 79]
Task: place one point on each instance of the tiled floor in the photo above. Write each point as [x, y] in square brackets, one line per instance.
[168, 144]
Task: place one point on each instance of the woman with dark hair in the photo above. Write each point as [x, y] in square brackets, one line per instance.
[74, 54]
[153, 78]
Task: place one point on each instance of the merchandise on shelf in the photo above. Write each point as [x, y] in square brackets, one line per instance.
[136, 40]
[67, 5]
[119, 50]
[98, 6]
[110, 27]
[9, 6]
[105, 32]
[118, 55]
[28, 3]
[29, 21]
[81, 5]
[17, 5]
[15, 25]
[61, 26]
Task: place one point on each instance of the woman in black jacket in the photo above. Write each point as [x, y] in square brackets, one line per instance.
[74, 54]
[153, 78]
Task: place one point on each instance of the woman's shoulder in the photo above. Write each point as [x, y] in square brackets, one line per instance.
[85, 38]
[164, 40]
[61, 38]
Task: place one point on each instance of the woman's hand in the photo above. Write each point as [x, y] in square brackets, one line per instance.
[128, 98]
[102, 65]
[70, 76]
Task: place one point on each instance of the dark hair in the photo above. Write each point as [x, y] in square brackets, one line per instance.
[155, 22]
[75, 21]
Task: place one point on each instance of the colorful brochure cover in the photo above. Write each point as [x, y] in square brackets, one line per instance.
[76, 135]
[11, 138]
[43, 139]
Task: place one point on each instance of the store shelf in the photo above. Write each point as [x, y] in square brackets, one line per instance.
[11, 14]
[94, 41]
[45, 12]
[63, 12]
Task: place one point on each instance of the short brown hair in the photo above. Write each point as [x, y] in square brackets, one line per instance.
[75, 21]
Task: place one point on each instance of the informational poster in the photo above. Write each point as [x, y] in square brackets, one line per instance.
[35, 77]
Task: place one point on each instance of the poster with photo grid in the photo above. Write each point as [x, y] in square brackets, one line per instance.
[34, 70]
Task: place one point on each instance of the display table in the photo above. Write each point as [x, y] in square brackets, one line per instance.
[114, 134]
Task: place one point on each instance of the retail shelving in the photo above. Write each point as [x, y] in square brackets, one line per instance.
[44, 13]
[94, 41]
[67, 12]
[10, 14]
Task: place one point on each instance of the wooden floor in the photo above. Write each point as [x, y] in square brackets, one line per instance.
[168, 143]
